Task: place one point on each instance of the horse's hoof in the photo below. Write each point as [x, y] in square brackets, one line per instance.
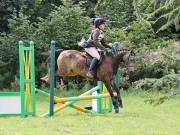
[121, 105]
[117, 110]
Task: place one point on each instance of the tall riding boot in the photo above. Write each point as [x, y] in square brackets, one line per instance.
[92, 66]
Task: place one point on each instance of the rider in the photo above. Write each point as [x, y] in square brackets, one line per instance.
[95, 41]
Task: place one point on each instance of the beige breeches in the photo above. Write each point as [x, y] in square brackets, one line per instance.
[93, 52]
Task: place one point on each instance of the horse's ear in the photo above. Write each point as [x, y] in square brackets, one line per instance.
[123, 45]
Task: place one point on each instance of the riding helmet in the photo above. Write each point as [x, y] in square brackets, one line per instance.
[98, 21]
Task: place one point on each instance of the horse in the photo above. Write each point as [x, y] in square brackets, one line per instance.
[75, 63]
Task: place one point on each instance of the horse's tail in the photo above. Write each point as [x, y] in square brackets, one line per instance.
[57, 53]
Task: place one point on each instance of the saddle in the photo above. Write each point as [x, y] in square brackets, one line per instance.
[89, 58]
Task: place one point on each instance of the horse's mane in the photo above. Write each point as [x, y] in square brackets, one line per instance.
[123, 50]
[119, 50]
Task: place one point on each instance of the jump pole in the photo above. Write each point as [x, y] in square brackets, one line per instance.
[52, 77]
[65, 105]
[52, 74]
[27, 78]
[76, 98]
[69, 103]
[82, 109]
[88, 97]
[22, 102]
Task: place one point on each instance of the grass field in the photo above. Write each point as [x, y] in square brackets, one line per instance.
[136, 118]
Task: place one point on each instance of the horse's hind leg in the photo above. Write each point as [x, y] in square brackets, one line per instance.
[114, 100]
[119, 99]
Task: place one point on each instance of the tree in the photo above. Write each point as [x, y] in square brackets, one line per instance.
[118, 12]
[6, 8]
[20, 29]
[66, 24]
[88, 5]
[161, 14]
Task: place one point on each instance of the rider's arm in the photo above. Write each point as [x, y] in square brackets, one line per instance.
[96, 40]
[104, 44]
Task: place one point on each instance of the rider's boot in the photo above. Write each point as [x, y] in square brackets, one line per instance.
[92, 66]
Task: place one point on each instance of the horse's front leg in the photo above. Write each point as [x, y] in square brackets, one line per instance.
[113, 98]
[119, 99]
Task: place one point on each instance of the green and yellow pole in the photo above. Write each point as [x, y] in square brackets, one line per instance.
[84, 97]
[27, 78]
[55, 101]
[65, 105]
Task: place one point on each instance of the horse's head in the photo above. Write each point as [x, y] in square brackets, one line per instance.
[129, 60]
[126, 56]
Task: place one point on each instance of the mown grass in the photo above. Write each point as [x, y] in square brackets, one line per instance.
[136, 118]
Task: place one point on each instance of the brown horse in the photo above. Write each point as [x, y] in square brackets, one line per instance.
[74, 63]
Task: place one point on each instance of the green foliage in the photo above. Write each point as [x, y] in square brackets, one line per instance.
[11, 8]
[157, 63]
[68, 21]
[161, 14]
[119, 13]
[140, 34]
[137, 35]
[42, 8]
[6, 9]
[115, 34]
[88, 5]
[66, 25]
[20, 29]
[5, 79]
[165, 83]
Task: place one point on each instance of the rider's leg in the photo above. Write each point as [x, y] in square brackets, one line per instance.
[96, 57]
[92, 66]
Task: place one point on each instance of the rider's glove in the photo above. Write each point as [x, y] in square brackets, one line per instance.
[108, 50]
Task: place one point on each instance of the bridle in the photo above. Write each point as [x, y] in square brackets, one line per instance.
[115, 52]
[127, 63]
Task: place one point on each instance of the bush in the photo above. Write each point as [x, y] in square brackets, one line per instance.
[165, 83]
[142, 35]
[20, 29]
[115, 35]
[157, 63]
[66, 25]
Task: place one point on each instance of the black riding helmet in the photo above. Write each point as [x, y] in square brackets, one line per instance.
[98, 21]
